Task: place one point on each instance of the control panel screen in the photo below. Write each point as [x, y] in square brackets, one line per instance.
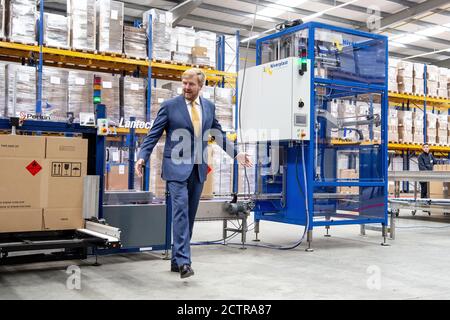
[301, 120]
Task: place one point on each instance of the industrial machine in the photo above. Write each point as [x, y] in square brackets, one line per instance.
[316, 106]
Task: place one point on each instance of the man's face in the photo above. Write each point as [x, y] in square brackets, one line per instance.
[425, 148]
[191, 88]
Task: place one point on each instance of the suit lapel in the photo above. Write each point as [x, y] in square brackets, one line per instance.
[204, 113]
[184, 112]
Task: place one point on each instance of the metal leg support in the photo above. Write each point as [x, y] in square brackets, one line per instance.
[166, 255]
[363, 230]
[392, 224]
[225, 226]
[256, 231]
[96, 263]
[384, 235]
[244, 232]
[309, 240]
[328, 235]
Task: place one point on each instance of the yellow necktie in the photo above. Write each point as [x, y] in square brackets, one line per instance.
[195, 118]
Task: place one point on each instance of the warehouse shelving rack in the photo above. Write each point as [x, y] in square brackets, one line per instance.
[40, 56]
[423, 103]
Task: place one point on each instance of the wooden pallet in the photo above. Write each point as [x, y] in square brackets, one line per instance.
[84, 50]
[183, 64]
[372, 142]
[56, 47]
[34, 43]
[111, 54]
[162, 61]
[135, 58]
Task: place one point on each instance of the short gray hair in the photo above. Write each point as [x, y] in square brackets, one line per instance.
[195, 72]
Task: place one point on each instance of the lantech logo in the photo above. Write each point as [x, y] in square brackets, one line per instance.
[134, 124]
[29, 116]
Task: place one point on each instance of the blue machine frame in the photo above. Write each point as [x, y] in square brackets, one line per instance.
[290, 213]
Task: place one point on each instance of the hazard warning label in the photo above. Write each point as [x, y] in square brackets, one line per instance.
[66, 169]
[34, 168]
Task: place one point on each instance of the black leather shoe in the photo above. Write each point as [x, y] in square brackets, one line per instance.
[186, 271]
[174, 268]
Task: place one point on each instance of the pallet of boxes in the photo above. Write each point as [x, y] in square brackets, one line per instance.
[42, 183]
[431, 127]
[405, 126]
[405, 77]
[418, 126]
[393, 125]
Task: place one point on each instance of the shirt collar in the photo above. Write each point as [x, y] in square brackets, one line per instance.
[197, 101]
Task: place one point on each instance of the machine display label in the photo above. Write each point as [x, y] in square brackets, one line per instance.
[301, 120]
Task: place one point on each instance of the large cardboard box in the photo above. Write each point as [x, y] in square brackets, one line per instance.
[21, 172]
[42, 180]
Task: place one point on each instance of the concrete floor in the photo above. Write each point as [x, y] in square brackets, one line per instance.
[345, 266]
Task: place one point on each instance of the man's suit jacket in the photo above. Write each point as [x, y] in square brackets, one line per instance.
[177, 162]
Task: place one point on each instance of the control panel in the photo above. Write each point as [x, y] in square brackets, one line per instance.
[276, 101]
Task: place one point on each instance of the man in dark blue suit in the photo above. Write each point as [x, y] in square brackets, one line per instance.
[188, 121]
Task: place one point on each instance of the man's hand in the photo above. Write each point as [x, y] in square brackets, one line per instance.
[138, 167]
[244, 159]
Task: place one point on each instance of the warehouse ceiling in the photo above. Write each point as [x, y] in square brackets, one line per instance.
[418, 30]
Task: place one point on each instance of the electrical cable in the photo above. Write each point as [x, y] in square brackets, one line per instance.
[219, 241]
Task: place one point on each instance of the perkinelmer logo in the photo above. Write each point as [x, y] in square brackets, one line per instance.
[279, 64]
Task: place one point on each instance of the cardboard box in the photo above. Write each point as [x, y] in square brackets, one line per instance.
[348, 174]
[199, 51]
[62, 219]
[22, 171]
[117, 177]
[208, 186]
[41, 174]
[439, 190]
[22, 220]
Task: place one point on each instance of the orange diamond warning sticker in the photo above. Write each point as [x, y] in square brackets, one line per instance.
[209, 170]
[34, 168]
